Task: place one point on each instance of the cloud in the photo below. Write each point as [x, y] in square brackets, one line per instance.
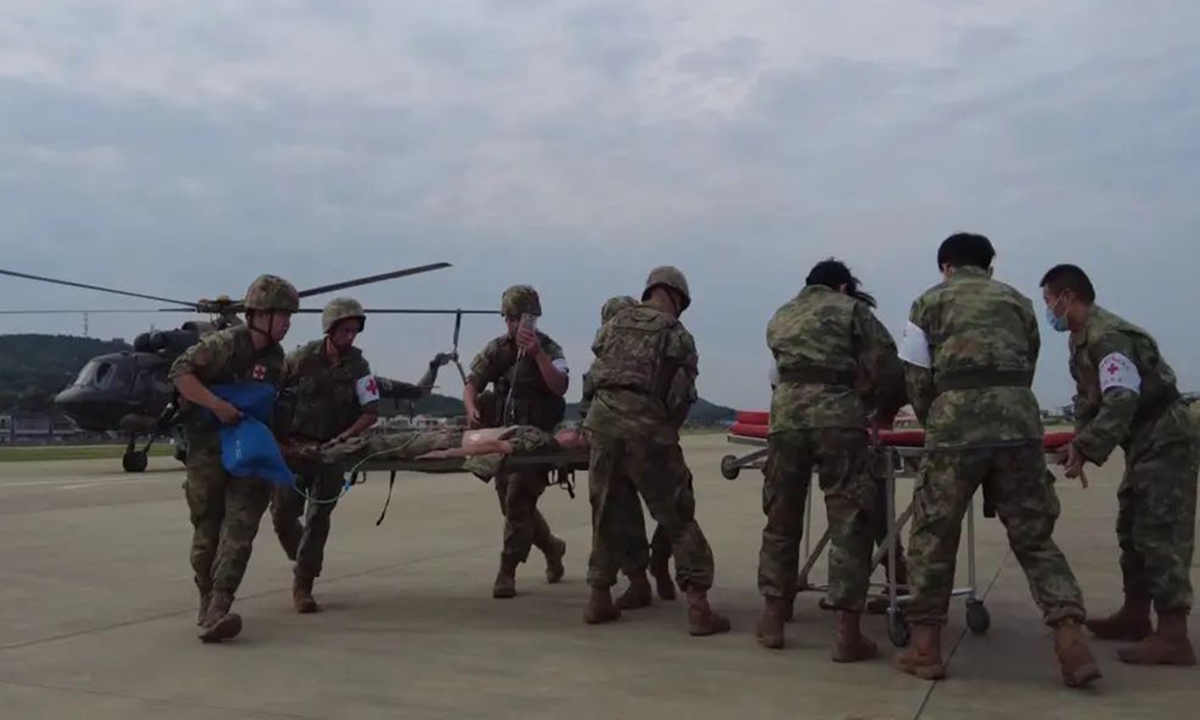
[180, 149]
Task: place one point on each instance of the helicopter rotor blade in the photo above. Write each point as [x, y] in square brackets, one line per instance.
[373, 279]
[75, 312]
[69, 283]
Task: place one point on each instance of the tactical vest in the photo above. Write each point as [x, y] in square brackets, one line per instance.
[322, 400]
[632, 357]
[246, 365]
[522, 396]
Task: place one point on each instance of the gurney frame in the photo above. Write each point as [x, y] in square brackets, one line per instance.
[900, 461]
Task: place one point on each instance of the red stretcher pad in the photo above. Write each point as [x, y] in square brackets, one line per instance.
[754, 424]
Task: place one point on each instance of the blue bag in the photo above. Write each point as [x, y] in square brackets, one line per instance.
[248, 449]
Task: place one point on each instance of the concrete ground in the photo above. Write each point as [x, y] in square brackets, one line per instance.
[97, 617]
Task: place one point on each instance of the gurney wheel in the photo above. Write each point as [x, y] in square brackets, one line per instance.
[729, 468]
[978, 617]
[898, 630]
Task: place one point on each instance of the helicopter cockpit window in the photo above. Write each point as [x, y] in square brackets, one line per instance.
[144, 385]
[87, 374]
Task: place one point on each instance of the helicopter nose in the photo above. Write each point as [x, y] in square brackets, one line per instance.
[78, 404]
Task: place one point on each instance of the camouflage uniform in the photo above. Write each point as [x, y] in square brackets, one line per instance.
[644, 385]
[532, 403]
[324, 400]
[1127, 396]
[640, 555]
[971, 346]
[820, 340]
[226, 511]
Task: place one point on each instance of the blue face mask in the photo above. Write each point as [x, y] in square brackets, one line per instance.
[1056, 322]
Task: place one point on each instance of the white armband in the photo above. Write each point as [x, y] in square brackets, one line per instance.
[367, 389]
[561, 365]
[1116, 370]
[914, 347]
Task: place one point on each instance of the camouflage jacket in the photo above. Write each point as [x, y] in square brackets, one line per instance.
[320, 399]
[643, 380]
[833, 359]
[533, 402]
[1126, 392]
[970, 347]
[223, 357]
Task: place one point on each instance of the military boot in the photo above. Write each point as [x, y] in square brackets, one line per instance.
[789, 608]
[302, 593]
[662, 576]
[554, 560]
[205, 599]
[600, 607]
[770, 625]
[852, 645]
[1131, 622]
[506, 578]
[923, 656]
[220, 624]
[1078, 666]
[702, 619]
[638, 594]
[1169, 645]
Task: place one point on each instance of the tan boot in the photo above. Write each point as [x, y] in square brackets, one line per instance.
[702, 620]
[302, 594]
[1130, 623]
[205, 599]
[600, 607]
[1078, 666]
[219, 623]
[554, 560]
[662, 576]
[852, 645]
[638, 595]
[1169, 645]
[770, 625]
[923, 656]
[506, 578]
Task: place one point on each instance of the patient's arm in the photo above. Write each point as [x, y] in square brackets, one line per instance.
[476, 442]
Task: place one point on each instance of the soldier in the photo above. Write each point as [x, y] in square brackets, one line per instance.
[970, 348]
[529, 375]
[226, 511]
[655, 555]
[820, 340]
[333, 396]
[644, 377]
[1127, 396]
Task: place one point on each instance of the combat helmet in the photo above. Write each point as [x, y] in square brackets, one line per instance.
[339, 309]
[272, 293]
[668, 276]
[520, 300]
[614, 305]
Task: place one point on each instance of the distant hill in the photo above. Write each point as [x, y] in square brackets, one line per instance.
[42, 365]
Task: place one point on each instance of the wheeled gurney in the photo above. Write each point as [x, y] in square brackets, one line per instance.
[900, 453]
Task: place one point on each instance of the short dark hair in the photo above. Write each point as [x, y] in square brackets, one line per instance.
[832, 273]
[1069, 277]
[966, 249]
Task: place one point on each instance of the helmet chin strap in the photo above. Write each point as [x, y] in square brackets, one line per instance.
[268, 332]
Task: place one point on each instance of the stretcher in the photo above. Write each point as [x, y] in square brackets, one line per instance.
[562, 467]
[900, 453]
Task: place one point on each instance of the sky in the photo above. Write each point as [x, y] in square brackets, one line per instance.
[179, 149]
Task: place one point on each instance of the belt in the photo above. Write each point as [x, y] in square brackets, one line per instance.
[817, 376]
[983, 378]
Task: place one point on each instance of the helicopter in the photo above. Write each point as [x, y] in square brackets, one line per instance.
[128, 392]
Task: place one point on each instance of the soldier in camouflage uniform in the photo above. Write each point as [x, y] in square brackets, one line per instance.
[330, 395]
[226, 511]
[655, 555]
[970, 348]
[1127, 396]
[529, 375]
[820, 340]
[644, 380]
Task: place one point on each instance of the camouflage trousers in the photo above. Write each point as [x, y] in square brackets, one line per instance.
[621, 470]
[1026, 504]
[524, 525]
[225, 513]
[288, 506]
[1156, 524]
[840, 456]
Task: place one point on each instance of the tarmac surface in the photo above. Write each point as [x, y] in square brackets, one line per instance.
[97, 616]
